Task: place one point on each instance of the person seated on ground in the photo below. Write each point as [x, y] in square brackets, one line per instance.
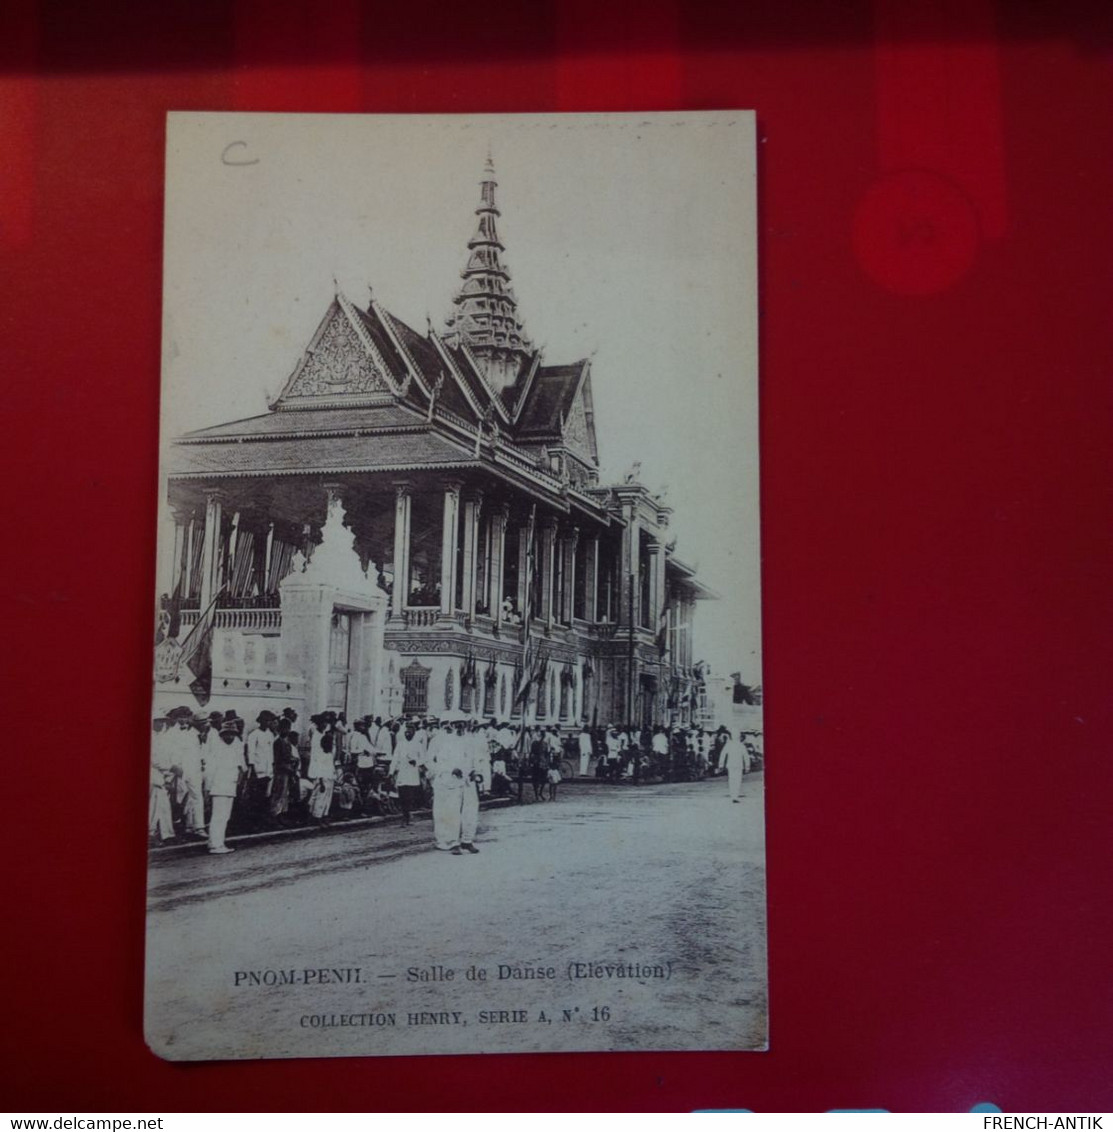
[380, 799]
[373, 801]
[753, 759]
[389, 798]
[500, 779]
[348, 794]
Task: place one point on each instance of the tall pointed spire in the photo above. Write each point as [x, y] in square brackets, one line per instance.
[485, 309]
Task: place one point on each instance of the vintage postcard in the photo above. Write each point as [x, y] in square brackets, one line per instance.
[456, 738]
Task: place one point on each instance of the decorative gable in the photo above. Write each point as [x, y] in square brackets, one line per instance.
[576, 432]
[337, 364]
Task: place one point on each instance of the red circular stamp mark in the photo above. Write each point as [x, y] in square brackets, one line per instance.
[915, 232]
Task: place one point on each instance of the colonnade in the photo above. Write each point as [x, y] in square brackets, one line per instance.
[474, 542]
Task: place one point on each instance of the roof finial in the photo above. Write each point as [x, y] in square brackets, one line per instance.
[335, 287]
[485, 318]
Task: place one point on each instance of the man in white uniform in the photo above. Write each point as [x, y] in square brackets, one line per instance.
[160, 823]
[260, 763]
[424, 734]
[448, 767]
[383, 743]
[477, 771]
[585, 750]
[362, 755]
[222, 776]
[405, 766]
[184, 749]
[506, 737]
[734, 756]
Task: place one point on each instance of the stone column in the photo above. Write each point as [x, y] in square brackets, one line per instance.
[656, 584]
[172, 535]
[403, 501]
[546, 549]
[568, 547]
[523, 571]
[472, 506]
[210, 548]
[448, 548]
[187, 577]
[233, 540]
[629, 566]
[267, 558]
[499, 519]
[591, 595]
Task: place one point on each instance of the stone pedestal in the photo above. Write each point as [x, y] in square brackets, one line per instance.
[334, 584]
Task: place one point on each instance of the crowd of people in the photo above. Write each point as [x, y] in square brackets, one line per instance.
[212, 772]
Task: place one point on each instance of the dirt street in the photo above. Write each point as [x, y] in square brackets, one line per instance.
[613, 918]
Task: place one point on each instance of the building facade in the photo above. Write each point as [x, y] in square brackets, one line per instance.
[417, 526]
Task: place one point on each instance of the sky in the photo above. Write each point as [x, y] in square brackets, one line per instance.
[630, 239]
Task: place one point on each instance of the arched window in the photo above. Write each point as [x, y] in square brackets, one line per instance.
[415, 689]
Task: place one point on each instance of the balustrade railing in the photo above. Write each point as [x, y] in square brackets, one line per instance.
[415, 617]
[255, 619]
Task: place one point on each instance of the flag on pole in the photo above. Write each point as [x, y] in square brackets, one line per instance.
[522, 691]
[197, 653]
[663, 628]
[168, 651]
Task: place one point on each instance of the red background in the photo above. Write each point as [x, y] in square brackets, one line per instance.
[936, 235]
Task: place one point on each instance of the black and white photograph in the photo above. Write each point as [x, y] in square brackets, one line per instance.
[457, 738]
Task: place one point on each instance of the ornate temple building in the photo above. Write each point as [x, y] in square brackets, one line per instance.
[417, 527]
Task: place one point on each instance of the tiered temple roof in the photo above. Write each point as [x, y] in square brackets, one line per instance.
[370, 393]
